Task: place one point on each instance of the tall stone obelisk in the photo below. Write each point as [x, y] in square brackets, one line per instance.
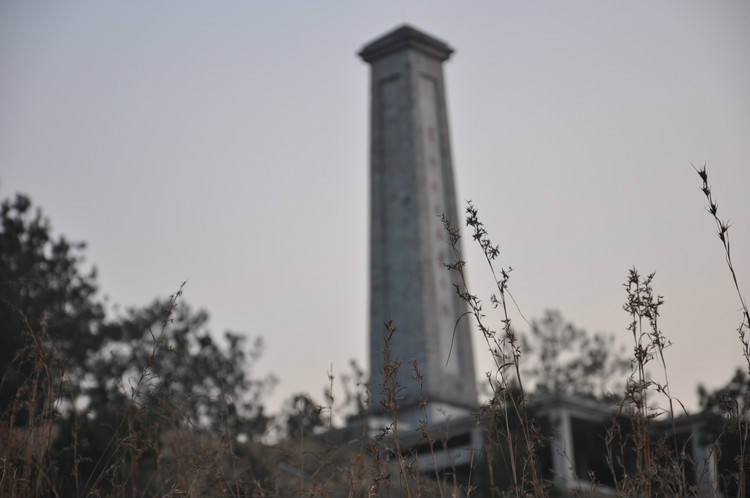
[411, 187]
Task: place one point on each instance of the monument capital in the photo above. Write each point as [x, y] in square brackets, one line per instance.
[405, 37]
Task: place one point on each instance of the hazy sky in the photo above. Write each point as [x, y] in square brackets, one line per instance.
[226, 143]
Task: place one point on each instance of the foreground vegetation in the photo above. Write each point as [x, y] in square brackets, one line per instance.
[149, 404]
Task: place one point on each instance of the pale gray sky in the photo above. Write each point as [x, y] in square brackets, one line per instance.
[226, 143]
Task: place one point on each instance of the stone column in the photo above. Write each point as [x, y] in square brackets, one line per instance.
[411, 187]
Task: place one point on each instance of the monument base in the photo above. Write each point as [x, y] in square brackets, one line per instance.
[439, 436]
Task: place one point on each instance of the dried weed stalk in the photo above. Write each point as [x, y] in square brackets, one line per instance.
[737, 416]
[507, 406]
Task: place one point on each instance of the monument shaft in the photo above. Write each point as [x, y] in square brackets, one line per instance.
[411, 188]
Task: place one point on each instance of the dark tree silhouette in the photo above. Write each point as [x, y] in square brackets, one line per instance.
[150, 371]
[43, 289]
[561, 358]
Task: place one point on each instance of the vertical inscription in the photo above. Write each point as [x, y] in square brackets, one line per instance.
[439, 247]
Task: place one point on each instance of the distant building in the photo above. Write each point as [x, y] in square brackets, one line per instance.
[578, 429]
